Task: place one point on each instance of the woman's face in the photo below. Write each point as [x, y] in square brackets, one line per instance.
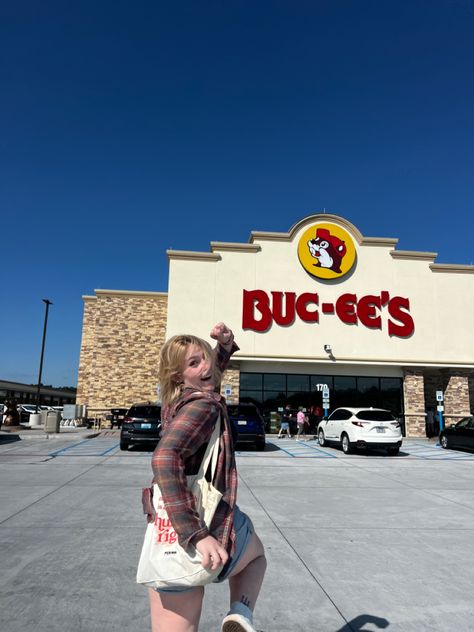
[198, 371]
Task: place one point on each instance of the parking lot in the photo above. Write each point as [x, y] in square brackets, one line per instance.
[354, 542]
[108, 444]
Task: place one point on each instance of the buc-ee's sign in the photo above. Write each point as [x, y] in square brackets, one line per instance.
[326, 251]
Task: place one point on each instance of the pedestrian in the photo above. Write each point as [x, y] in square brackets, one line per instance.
[190, 373]
[301, 422]
[285, 422]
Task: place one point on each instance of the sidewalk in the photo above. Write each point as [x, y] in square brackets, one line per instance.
[26, 432]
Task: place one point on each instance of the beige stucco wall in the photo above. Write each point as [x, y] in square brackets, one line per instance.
[441, 301]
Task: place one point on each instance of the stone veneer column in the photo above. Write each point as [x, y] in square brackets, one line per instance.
[471, 392]
[414, 395]
[456, 397]
[231, 378]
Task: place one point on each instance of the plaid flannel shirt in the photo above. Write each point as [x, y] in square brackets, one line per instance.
[179, 453]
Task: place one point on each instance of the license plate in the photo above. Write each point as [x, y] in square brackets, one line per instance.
[380, 429]
[242, 422]
[145, 426]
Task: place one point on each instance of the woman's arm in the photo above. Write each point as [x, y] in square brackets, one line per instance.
[225, 347]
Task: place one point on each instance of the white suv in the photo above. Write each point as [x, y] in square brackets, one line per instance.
[361, 428]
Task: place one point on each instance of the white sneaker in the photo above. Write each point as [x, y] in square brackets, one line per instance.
[237, 623]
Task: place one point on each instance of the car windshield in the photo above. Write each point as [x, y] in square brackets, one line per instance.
[145, 411]
[242, 411]
[375, 415]
[464, 423]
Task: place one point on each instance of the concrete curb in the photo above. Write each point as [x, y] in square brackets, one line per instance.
[38, 434]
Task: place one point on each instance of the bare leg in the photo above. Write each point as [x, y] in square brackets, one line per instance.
[247, 577]
[176, 612]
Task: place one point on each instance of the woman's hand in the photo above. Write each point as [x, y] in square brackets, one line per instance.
[222, 334]
[213, 553]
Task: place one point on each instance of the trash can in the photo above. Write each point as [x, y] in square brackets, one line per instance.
[36, 419]
[53, 417]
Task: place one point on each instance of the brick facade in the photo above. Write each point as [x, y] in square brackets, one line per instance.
[123, 333]
[414, 395]
[231, 378]
[456, 397]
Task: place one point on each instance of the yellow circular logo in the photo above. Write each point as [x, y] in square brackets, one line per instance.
[326, 251]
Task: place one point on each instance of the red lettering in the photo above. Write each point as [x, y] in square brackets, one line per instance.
[302, 310]
[367, 311]
[277, 308]
[346, 308]
[258, 314]
[395, 309]
[256, 299]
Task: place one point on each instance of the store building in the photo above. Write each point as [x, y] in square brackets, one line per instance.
[319, 305]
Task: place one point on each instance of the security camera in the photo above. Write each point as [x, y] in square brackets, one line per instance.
[327, 348]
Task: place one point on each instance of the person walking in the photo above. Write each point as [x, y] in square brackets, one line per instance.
[190, 373]
[285, 422]
[301, 422]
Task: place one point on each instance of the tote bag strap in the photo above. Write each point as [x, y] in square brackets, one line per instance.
[212, 452]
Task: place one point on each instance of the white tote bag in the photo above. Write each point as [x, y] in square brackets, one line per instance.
[163, 562]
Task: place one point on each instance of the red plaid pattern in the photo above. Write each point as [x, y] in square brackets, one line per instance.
[187, 431]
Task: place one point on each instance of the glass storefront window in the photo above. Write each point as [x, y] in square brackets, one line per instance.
[368, 391]
[321, 379]
[365, 384]
[274, 382]
[270, 391]
[251, 396]
[345, 391]
[298, 383]
[251, 381]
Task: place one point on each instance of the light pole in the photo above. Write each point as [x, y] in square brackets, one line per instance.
[47, 302]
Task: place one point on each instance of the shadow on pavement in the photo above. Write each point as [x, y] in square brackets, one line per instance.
[269, 447]
[356, 625]
[9, 438]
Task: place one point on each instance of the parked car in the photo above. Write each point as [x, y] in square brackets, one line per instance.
[118, 415]
[141, 424]
[25, 411]
[458, 435]
[361, 428]
[249, 423]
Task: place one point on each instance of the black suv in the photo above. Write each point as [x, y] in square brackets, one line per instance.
[141, 424]
[249, 423]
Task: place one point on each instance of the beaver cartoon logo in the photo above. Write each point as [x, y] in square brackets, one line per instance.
[326, 251]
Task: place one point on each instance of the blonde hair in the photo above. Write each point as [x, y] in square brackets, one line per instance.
[172, 357]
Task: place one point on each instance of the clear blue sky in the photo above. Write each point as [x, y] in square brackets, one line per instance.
[129, 128]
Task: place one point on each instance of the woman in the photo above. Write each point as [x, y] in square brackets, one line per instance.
[189, 375]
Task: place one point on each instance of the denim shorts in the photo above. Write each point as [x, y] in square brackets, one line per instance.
[243, 531]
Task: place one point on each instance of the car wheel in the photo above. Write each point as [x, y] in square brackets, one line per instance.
[346, 444]
[444, 441]
[123, 445]
[321, 439]
[393, 451]
[260, 446]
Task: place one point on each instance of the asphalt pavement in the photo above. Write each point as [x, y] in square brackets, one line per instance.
[354, 542]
